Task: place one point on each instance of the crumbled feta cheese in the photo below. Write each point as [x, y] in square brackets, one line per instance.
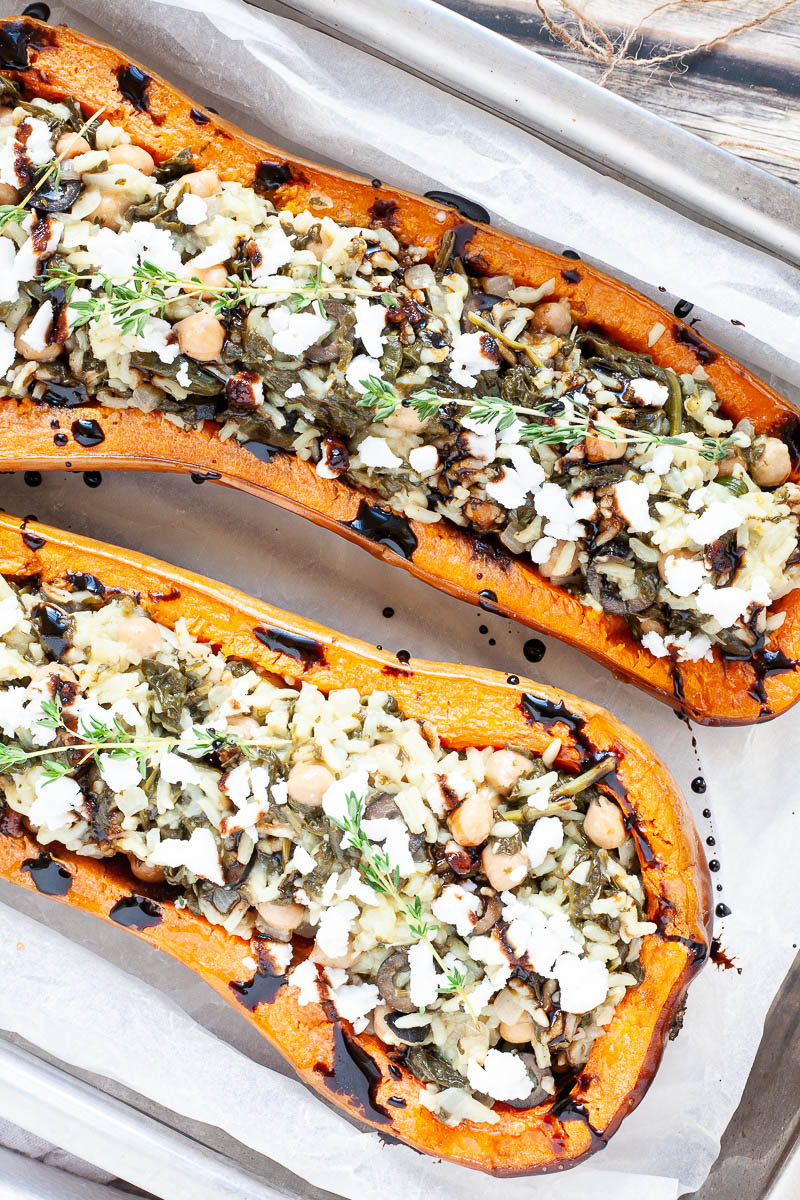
[480, 443]
[530, 472]
[37, 333]
[717, 519]
[648, 392]
[11, 613]
[294, 391]
[12, 707]
[119, 772]
[547, 834]
[213, 256]
[376, 452]
[564, 516]
[54, 803]
[333, 933]
[154, 339]
[538, 938]
[394, 836]
[503, 1076]
[655, 643]
[458, 907]
[274, 249]
[280, 792]
[301, 861]
[294, 332]
[354, 1001]
[33, 252]
[661, 460]
[583, 983]
[199, 854]
[29, 147]
[631, 500]
[471, 354]
[683, 576]
[9, 284]
[542, 549]
[192, 209]
[175, 769]
[728, 604]
[237, 784]
[305, 978]
[360, 370]
[369, 326]
[688, 647]
[422, 459]
[334, 802]
[423, 984]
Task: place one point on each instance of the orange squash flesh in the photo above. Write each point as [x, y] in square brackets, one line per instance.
[469, 707]
[62, 62]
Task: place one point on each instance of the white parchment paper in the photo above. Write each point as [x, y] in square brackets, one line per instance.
[158, 1030]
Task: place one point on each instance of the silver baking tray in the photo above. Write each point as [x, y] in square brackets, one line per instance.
[172, 1157]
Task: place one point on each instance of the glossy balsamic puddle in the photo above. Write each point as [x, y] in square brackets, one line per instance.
[49, 876]
[136, 912]
[305, 650]
[384, 527]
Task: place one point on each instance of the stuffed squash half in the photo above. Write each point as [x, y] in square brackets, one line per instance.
[465, 908]
[510, 425]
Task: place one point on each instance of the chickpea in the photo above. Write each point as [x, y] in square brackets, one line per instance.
[141, 637]
[34, 353]
[471, 823]
[211, 277]
[561, 562]
[504, 871]
[521, 1030]
[345, 960]
[664, 559]
[204, 183]
[8, 194]
[308, 783]
[48, 671]
[773, 466]
[111, 210]
[246, 728]
[603, 824]
[406, 419]
[131, 156]
[652, 625]
[554, 316]
[201, 336]
[382, 1030]
[147, 872]
[281, 916]
[602, 448]
[504, 768]
[70, 145]
[6, 117]
[730, 464]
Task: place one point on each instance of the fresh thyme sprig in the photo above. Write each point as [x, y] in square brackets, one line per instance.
[95, 736]
[543, 430]
[377, 871]
[150, 290]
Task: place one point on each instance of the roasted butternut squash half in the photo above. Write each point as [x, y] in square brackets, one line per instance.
[508, 424]
[465, 908]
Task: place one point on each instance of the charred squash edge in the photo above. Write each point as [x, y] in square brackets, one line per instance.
[55, 62]
[469, 707]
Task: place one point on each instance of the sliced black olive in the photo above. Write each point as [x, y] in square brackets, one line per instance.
[388, 971]
[224, 900]
[537, 1094]
[55, 198]
[237, 873]
[383, 805]
[490, 917]
[412, 1036]
[607, 594]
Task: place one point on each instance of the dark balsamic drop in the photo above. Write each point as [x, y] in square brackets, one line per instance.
[396, 1101]
[92, 479]
[136, 912]
[354, 1074]
[711, 841]
[51, 878]
[462, 236]
[384, 527]
[33, 478]
[53, 629]
[484, 629]
[534, 650]
[513, 680]
[714, 865]
[199, 118]
[81, 581]
[87, 432]
[39, 12]
[376, 183]
[687, 337]
[304, 650]
[60, 439]
[698, 786]
[133, 84]
[64, 395]
[682, 309]
[404, 657]
[271, 175]
[467, 208]
[706, 813]
[722, 910]
[488, 601]
[204, 477]
[492, 641]
[388, 612]
[395, 1071]
[261, 989]
[571, 276]
[32, 540]
[570, 254]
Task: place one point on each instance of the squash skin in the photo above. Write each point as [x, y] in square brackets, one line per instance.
[470, 707]
[726, 692]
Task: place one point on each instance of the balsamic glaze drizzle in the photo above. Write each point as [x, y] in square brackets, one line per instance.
[133, 84]
[467, 208]
[384, 527]
[304, 650]
[49, 876]
[353, 1073]
[136, 912]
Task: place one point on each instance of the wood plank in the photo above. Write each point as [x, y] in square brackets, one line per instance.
[743, 96]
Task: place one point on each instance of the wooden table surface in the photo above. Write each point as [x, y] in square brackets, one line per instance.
[744, 95]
